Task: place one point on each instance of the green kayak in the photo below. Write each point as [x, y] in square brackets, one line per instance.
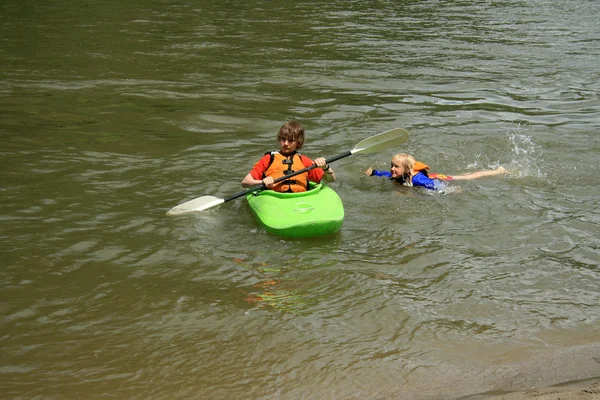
[316, 212]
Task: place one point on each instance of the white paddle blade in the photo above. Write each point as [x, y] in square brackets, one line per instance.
[382, 141]
[197, 204]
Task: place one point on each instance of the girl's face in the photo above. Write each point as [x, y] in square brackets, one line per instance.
[288, 146]
[396, 170]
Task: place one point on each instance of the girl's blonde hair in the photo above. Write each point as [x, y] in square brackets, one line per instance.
[406, 162]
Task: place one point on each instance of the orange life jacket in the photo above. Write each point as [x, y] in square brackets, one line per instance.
[284, 165]
[420, 167]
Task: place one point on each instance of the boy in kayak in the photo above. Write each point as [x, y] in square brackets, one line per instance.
[405, 170]
[276, 164]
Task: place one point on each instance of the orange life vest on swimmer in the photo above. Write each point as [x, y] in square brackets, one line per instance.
[420, 167]
[281, 165]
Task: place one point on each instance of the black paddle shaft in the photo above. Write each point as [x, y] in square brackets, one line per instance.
[283, 178]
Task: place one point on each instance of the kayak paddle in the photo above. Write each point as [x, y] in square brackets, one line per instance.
[371, 144]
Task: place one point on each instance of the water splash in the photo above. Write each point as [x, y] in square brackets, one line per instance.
[527, 157]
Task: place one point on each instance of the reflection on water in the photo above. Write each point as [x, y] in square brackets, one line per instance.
[113, 114]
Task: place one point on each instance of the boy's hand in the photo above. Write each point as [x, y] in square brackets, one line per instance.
[320, 162]
[268, 182]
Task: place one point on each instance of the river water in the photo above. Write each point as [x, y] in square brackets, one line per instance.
[112, 113]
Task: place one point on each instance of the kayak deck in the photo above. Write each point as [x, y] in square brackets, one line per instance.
[316, 212]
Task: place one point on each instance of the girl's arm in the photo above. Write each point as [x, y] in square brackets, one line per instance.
[376, 172]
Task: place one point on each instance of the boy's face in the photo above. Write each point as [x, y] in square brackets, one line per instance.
[287, 145]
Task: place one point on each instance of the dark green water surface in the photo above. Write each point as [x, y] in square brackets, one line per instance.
[113, 112]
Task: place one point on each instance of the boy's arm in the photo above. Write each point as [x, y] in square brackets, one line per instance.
[317, 174]
[254, 177]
